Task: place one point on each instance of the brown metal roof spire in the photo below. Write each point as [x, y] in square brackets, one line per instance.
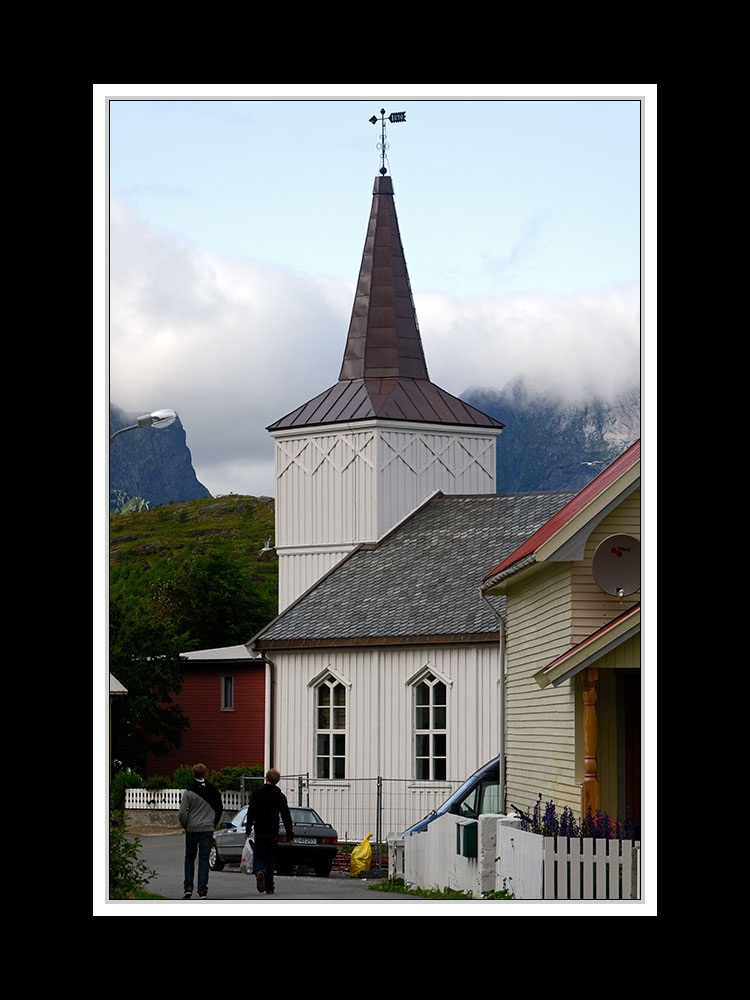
[383, 339]
[384, 374]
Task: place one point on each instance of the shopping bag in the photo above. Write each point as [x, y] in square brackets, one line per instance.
[246, 861]
[361, 857]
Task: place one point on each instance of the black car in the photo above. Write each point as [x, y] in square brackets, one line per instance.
[315, 843]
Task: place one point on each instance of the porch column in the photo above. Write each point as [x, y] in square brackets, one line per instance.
[591, 797]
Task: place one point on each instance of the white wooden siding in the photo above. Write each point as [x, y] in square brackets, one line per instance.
[380, 707]
[412, 464]
[338, 487]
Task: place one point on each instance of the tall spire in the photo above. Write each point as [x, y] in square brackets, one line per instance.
[384, 374]
[383, 339]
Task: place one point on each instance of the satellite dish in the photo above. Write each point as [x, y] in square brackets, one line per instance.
[616, 565]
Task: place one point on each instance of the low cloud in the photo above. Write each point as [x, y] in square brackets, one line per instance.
[233, 345]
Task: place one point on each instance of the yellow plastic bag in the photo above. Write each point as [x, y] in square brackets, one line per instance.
[361, 857]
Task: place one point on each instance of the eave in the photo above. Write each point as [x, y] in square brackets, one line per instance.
[591, 649]
[563, 537]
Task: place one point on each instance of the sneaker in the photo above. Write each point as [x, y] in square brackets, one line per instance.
[260, 878]
[187, 895]
[202, 895]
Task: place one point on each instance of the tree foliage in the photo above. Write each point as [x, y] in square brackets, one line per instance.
[156, 613]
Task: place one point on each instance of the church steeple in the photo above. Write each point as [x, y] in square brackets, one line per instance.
[357, 458]
[383, 339]
[384, 373]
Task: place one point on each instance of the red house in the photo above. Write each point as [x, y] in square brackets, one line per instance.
[224, 696]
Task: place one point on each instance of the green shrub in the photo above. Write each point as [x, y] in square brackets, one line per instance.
[156, 782]
[119, 783]
[127, 871]
[182, 776]
[226, 778]
[229, 778]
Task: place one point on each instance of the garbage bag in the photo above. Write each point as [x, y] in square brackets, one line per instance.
[361, 857]
[246, 861]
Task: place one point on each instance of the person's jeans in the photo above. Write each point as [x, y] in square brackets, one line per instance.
[200, 844]
[264, 857]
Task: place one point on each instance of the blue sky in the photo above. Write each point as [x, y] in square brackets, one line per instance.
[236, 229]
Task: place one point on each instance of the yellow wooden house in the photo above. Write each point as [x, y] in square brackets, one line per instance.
[572, 679]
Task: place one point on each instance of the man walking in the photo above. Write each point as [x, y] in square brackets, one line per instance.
[200, 812]
[267, 805]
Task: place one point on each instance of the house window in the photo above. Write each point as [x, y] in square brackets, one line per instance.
[430, 737]
[227, 694]
[330, 729]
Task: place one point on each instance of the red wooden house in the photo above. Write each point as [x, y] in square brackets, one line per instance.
[224, 696]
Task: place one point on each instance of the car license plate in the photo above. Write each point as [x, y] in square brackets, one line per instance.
[304, 840]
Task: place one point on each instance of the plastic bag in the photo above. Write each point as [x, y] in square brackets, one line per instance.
[361, 857]
[246, 861]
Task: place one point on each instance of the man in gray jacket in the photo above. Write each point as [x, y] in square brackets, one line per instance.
[200, 812]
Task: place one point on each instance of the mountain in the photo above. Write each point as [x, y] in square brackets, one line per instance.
[551, 444]
[149, 466]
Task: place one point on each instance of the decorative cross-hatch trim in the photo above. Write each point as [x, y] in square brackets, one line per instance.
[322, 453]
[437, 456]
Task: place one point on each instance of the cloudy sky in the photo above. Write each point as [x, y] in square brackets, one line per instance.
[233, 227]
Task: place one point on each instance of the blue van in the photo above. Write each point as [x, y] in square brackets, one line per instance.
[479, 794]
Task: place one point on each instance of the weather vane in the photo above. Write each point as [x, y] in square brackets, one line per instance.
[394, 116]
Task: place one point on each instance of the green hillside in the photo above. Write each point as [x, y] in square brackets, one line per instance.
[235, 527]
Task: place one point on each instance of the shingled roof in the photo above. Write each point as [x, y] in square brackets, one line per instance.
[383, 373]
[418, 584]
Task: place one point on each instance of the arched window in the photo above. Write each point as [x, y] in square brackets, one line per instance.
[330, 729]
[430, 735]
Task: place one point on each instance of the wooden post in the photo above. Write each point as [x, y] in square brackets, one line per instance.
[591, 796]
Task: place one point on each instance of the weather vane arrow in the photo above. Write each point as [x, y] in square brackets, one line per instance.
[394, 116]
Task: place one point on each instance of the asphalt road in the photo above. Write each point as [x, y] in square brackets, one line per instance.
[165, 855]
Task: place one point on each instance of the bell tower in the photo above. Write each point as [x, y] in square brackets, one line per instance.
[356, 459]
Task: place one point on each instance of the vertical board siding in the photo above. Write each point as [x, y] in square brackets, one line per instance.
[412, 465]
[380, 706]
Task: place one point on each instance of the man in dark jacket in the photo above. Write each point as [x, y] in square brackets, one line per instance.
[200, 812]
[267, 805]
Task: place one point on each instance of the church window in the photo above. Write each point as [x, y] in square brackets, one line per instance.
[430, 734]
[330, 729]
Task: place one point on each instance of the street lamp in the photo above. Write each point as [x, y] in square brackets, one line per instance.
[159, 418]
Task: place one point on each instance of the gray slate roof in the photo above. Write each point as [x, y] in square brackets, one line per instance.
[420, 580]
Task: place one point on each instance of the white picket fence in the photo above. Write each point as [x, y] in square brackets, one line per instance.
[589, 869]
[169, 798]
[531, 866]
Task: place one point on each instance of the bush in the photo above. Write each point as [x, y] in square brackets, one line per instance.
[229, 778]
[156, 782]
[182, 776]
[122, 780]
[127, 871]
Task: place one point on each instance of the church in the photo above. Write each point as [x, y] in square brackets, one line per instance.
[386, 658]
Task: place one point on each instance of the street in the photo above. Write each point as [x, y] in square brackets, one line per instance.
[165, 855]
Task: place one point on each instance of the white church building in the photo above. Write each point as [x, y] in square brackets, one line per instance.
[385, 658]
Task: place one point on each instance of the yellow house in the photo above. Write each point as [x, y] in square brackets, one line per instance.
[572, 647]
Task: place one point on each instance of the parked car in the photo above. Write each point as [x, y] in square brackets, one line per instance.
[479, 794]
[315, 843]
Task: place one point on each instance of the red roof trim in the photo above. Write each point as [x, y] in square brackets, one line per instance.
[594, 635]
[579, 502]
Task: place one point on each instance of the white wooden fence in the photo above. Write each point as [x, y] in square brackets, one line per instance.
[589, 869]
[531, 866]
[169, 798]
